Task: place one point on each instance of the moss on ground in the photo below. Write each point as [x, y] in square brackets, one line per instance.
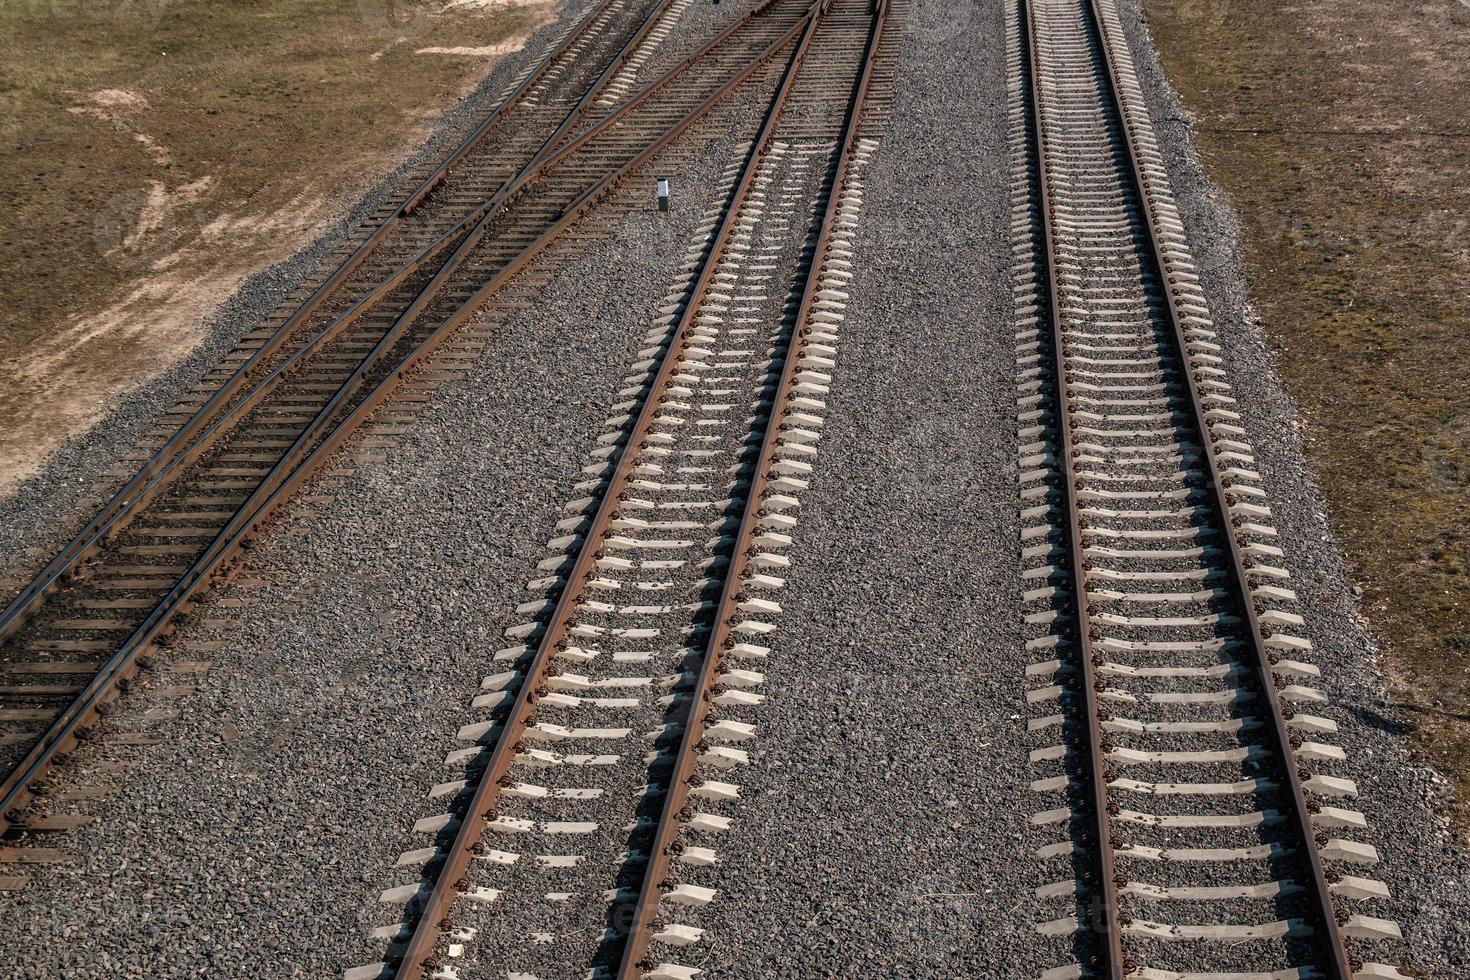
[134, 133]
[1341, 133]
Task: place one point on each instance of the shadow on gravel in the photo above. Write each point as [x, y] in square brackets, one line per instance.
[1408, 708]
[1373, 719]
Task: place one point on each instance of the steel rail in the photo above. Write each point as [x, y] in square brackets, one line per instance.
[282, 479]
[1118, 965]
[13, 617]
[432, 914]
[486, 212]
[154, 473]
[475, 221]
[1106, 916]
[432, 182]
[1318, 887]
[15, 614]
[466, 245]
[683, 775]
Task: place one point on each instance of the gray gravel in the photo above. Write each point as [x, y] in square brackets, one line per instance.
[851, 859]
[885, 815]
[281, 796]
[1406, 804]
[887, 793]
[42, 512]
[255, 839]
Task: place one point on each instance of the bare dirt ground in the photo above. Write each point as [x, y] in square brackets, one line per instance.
[154, 153]
[1341, 134]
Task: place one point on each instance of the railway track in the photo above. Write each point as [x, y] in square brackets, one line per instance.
[75, 635]
[1201, 829]
[584, 832]
[1197, 809]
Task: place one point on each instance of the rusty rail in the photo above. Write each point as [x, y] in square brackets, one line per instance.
[302, 460]
[1115, 962]
[152, 475]
[683, 776]
[477, 222]
[1317, 886]
[1106, 922]
[481, 809]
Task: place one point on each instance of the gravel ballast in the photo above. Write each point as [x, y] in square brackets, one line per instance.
[256, 838]
[886, 795]
[1407, 805]
[883, 828]
[42, 512]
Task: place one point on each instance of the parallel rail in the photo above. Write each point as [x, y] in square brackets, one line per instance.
[727, 614]
[284, 428]
[1115, 965]
[1161, 568]
[433, 916]
[145, 483]
[661, 473]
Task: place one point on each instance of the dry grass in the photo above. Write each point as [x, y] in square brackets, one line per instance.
[154, 152]
[1341, 133]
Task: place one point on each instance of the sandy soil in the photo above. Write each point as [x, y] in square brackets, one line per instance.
[145, 191]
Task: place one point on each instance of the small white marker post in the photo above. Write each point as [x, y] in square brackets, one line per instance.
[662, 193]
